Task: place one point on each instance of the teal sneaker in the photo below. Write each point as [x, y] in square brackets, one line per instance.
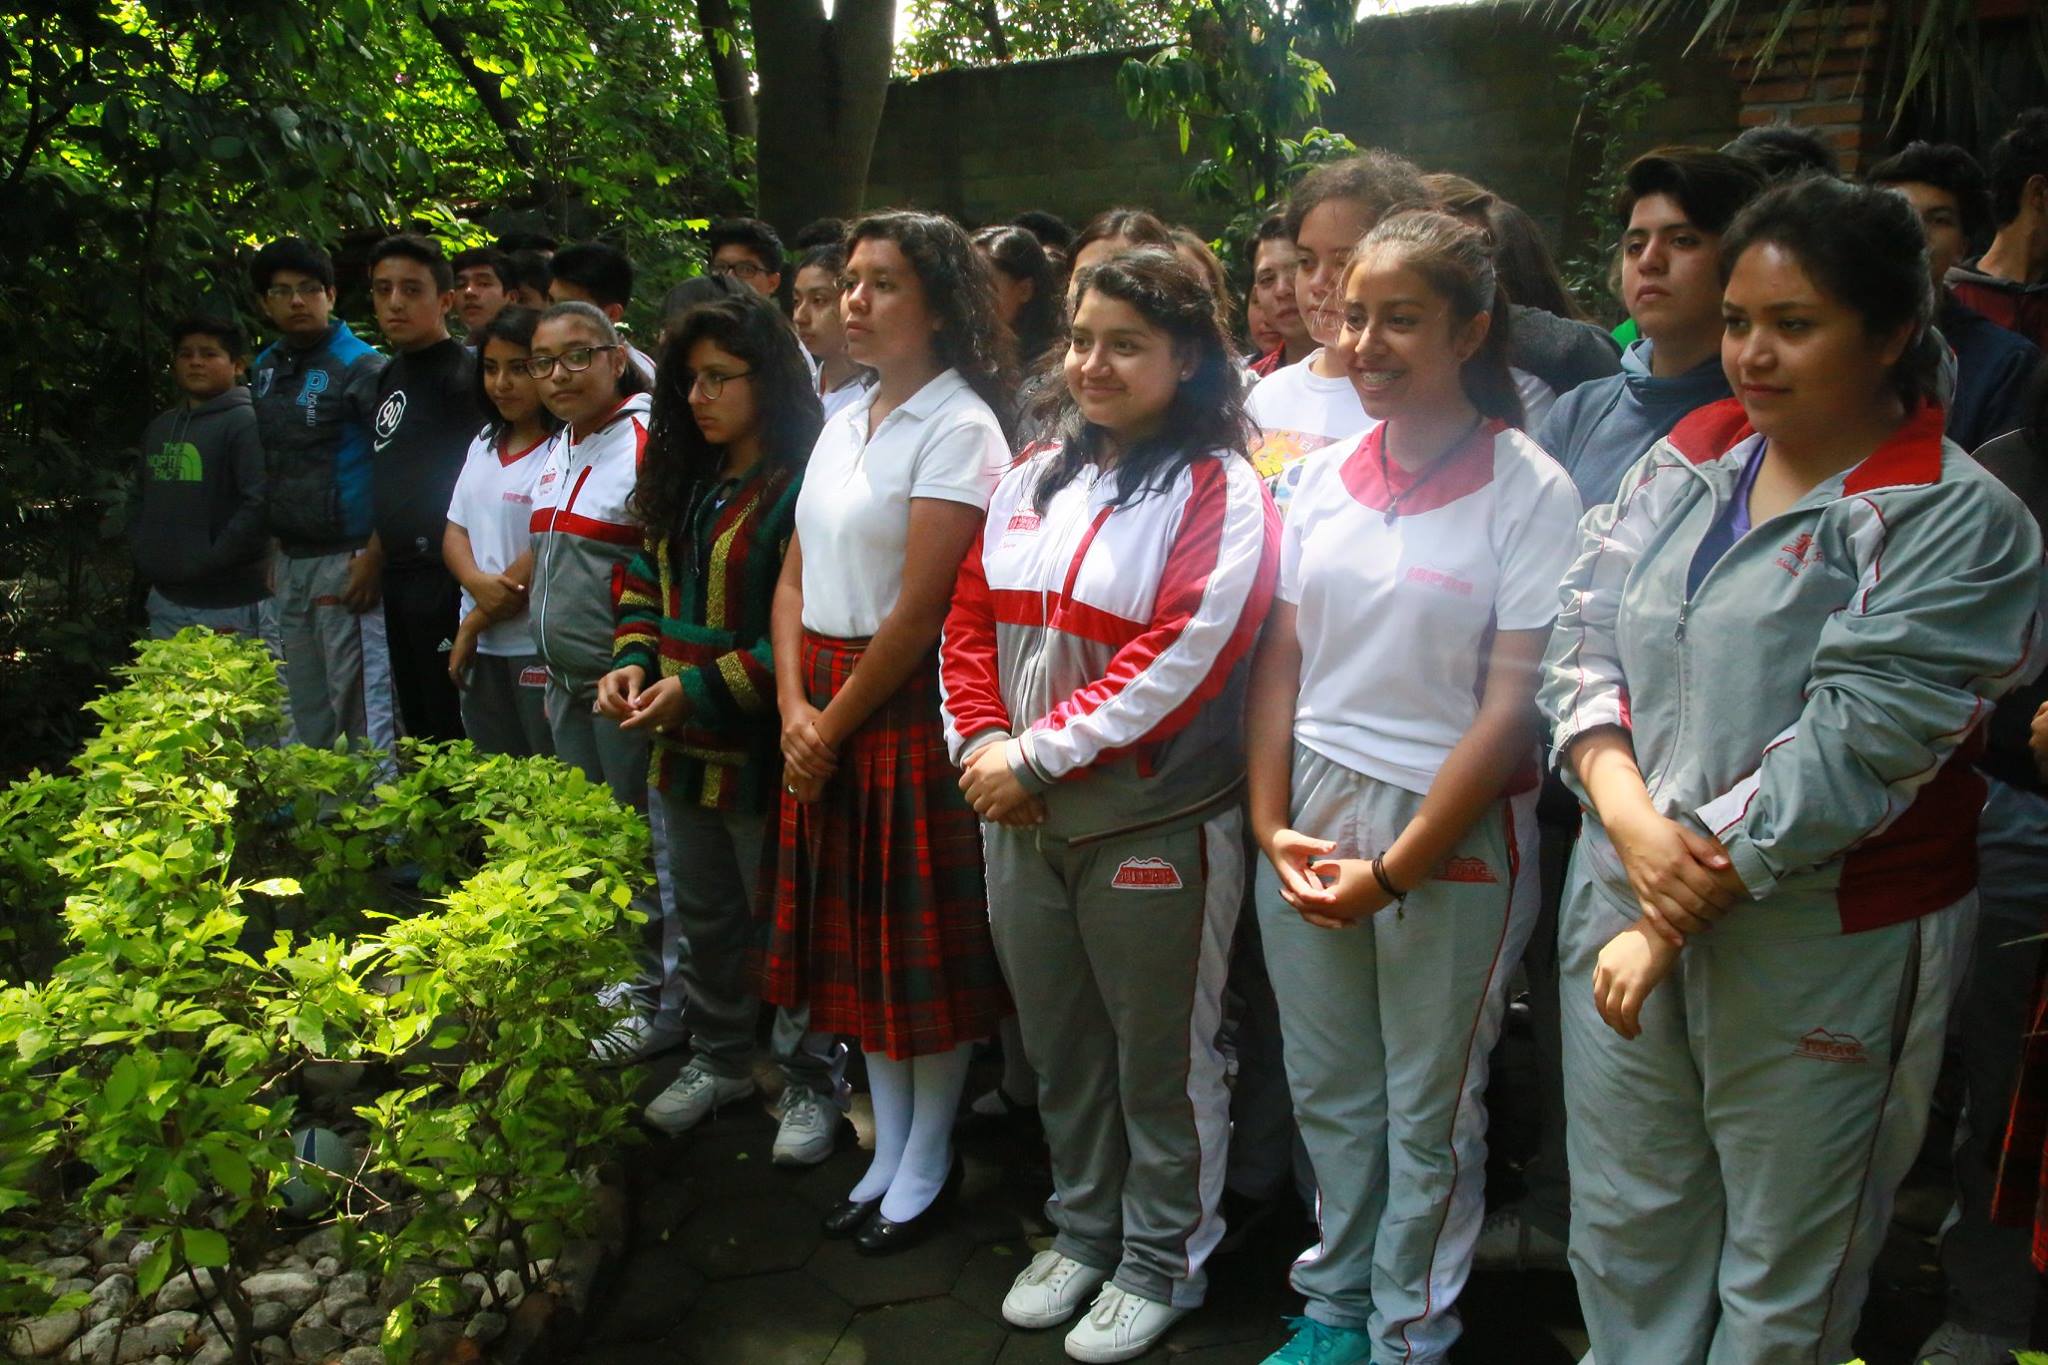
[1316, 1343]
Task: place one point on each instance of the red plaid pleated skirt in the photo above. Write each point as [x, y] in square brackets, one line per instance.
[2020, 1198]
[878, 910]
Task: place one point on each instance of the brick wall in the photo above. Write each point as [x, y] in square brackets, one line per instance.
[1825, 77]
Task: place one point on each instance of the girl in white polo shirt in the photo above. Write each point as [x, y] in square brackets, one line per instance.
[879, 909]
[489, 548]
[1393, 781]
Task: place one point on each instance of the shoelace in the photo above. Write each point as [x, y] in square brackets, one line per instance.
[1321, 1341]
[807, 1108]
[1042, 1267]
[1114, 1308]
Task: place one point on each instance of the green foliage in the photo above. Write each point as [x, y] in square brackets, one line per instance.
[1613, 92]
[152, 1082]
[147, 146]
[945, 33]
[1237, 83]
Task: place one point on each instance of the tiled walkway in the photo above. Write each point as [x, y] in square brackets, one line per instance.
[727, 1268]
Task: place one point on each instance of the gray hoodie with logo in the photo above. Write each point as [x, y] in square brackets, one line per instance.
[196, 516]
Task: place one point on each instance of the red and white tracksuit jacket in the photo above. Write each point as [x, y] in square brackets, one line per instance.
[1113, 640]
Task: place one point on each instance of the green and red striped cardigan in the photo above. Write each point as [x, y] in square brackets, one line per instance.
[697, 604]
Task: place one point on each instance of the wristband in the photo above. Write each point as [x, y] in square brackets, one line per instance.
[1397, 896]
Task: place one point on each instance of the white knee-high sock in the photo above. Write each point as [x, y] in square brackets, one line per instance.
[936, 1083]
[889, 1086]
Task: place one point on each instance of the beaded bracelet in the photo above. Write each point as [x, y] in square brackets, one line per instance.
[1379, 874]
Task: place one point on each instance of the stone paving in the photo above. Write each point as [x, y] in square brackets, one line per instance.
[727, 1267]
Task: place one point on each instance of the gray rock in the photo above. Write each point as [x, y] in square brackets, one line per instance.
[97, 1346]
[470, 1291]
[45, 1336]
[364, 1321]
[111, 1298]
[66, 1267]
[322, 1241]
[486, 1327]
[315, 1338]
[274, 1348]
[354, 1282]
[68, 1239]
[268, 1319]
[334, 1305]
[141, 1252]
[298, 1288]
[103, 1248]
[398, 1285]
[161, 1335]
[179, 1291]
[214, 1352]
[362, 1355]
[296, 1262]
[510, 1290]
[78, 1285]
[327, 1266]
[162, 1360]
[113, 1268]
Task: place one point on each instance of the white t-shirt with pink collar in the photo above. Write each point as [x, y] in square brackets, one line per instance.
[1400, 580]
[493, 502]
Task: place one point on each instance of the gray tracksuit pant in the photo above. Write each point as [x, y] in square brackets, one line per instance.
[1733, 1167]
[336, 676]
[720, 855]
[504, 705]
[1116, 951]
[1388, 1026]
[619, 759]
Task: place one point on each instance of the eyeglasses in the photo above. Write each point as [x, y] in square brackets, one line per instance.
[285, 293]
[746, 270]
[575, 360]
[712, 382]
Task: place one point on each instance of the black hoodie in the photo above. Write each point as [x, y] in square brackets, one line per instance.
[198, 528]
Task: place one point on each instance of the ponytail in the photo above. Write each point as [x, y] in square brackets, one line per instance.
[1456, 259]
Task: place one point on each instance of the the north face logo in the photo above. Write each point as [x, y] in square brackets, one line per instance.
[1824, 1046]
[1146, 874]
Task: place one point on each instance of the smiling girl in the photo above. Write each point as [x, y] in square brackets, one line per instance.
[1393, 781]
[1093, 667]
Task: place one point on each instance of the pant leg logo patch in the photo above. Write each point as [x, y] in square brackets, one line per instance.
[533, 675]
[1470, 870]
[1146, 874]
[1824, 1046]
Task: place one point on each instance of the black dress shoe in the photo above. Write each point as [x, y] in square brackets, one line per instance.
[849, 1216]
[885, 1236]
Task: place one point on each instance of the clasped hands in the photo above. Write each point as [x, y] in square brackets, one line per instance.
[1330, 893]
[993, 790]
[1683, 882]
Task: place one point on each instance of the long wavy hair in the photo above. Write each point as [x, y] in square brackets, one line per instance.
[960, 291]
[513, 326]
[1206, 413]
[678, 461]
[1019, 255]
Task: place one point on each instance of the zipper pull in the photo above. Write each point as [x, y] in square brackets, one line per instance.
[1683, 609]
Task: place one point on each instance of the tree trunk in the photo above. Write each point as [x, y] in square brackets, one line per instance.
[721, 35]
[822, 85]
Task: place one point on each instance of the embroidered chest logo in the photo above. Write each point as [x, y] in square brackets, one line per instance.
[309, 395]
[1146, 874]
[1824, 1046]
[1469, 870]
[177, 462]
[1802, 554]
[1441, 581]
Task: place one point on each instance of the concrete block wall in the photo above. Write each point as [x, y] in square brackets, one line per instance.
[1475, 89]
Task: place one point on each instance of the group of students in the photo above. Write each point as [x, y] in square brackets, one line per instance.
[1011, 658]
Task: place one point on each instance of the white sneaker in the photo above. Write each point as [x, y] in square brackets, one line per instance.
[809, 1129]
[1051, 1290]
[693, 1096]
[1953, 1344]
[1120, 1326]
[635, 1038]
[1508, 1241]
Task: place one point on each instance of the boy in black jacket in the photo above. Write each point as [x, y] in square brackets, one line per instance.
[196, 519]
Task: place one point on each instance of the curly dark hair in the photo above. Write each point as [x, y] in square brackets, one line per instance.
[514, 326]
[678, 460]
[961, 293]
[1207, 411]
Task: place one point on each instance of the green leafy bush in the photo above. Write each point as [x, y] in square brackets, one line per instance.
[228, 922]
